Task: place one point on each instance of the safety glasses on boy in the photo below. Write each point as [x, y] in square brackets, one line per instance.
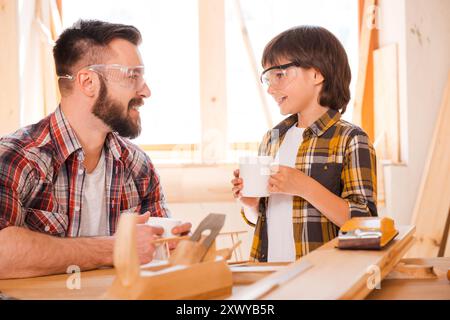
[278, 77]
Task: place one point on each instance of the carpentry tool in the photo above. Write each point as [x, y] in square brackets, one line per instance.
[188, 275]
[366, 233]
[163, 240]
[194, 250]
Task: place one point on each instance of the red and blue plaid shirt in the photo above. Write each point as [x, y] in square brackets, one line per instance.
[42, 178]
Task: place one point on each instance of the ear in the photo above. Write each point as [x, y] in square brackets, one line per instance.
[88, 83]
[318, 77]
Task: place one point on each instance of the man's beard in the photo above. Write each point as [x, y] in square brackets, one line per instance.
[111, 113]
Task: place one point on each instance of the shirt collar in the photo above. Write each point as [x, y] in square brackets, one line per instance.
[318, 128]
[66, 141]
[112, 144]
[326, 121]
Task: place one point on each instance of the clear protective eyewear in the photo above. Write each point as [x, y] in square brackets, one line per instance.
[125, 76]
[278, 77]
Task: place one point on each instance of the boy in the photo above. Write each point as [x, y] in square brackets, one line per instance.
[327, 171]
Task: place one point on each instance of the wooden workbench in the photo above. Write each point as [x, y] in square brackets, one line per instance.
[95, 283]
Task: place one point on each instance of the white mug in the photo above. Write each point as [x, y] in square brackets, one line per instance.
[167, 224]
[255, 172]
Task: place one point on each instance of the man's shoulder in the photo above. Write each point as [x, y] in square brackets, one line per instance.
[27, 142]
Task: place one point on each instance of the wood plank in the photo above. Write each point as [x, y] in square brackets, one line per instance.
[253, 63]
[363, 109]
[213, 104]
[386, 103]
[9, 65]
[433, 201]
[386, 114]
[343, 274]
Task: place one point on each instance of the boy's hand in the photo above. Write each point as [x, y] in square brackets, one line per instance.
[288, 180]
[238, 184]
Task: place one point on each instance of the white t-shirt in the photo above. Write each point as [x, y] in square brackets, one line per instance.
[93, 211]
[280, 233]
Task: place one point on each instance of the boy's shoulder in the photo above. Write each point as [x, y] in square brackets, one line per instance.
[348, 129]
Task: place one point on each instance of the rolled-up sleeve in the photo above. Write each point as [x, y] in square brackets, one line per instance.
[14, 178]
[359, 178]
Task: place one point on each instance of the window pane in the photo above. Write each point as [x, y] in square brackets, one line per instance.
[265, 19]
[170, 52]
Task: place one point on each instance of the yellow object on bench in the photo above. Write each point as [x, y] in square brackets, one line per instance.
[366, 233]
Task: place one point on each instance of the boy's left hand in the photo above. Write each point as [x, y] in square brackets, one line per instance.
[287, 180]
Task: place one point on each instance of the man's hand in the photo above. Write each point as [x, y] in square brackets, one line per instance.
[145, 234]
[181, 230]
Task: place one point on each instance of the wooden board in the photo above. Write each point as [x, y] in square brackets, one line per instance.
[433, 201]
[252, 61]
[342, 274]
[386, 114]
[386, 111]
[363, 110]
[248, 273]
[213, 93]
[9, 65]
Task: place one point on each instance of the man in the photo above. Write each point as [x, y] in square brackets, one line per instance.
[65, 181]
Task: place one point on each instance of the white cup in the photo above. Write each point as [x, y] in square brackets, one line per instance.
[255, 172]
[167, 224]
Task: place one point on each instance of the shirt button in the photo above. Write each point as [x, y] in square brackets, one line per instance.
[47, 228]
[80, 171]
[77, 208]
[326, 167]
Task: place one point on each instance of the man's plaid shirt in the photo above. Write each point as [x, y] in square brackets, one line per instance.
[42, 176]
[338, 155]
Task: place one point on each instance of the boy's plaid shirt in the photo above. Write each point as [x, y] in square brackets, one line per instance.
[338, 155]
[42, 176]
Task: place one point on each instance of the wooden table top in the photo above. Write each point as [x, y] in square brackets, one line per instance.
[95, 283]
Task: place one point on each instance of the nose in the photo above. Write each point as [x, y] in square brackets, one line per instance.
[270, 89]
[145, 91]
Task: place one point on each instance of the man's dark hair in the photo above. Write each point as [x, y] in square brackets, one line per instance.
[315, 47]
[87, 41]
